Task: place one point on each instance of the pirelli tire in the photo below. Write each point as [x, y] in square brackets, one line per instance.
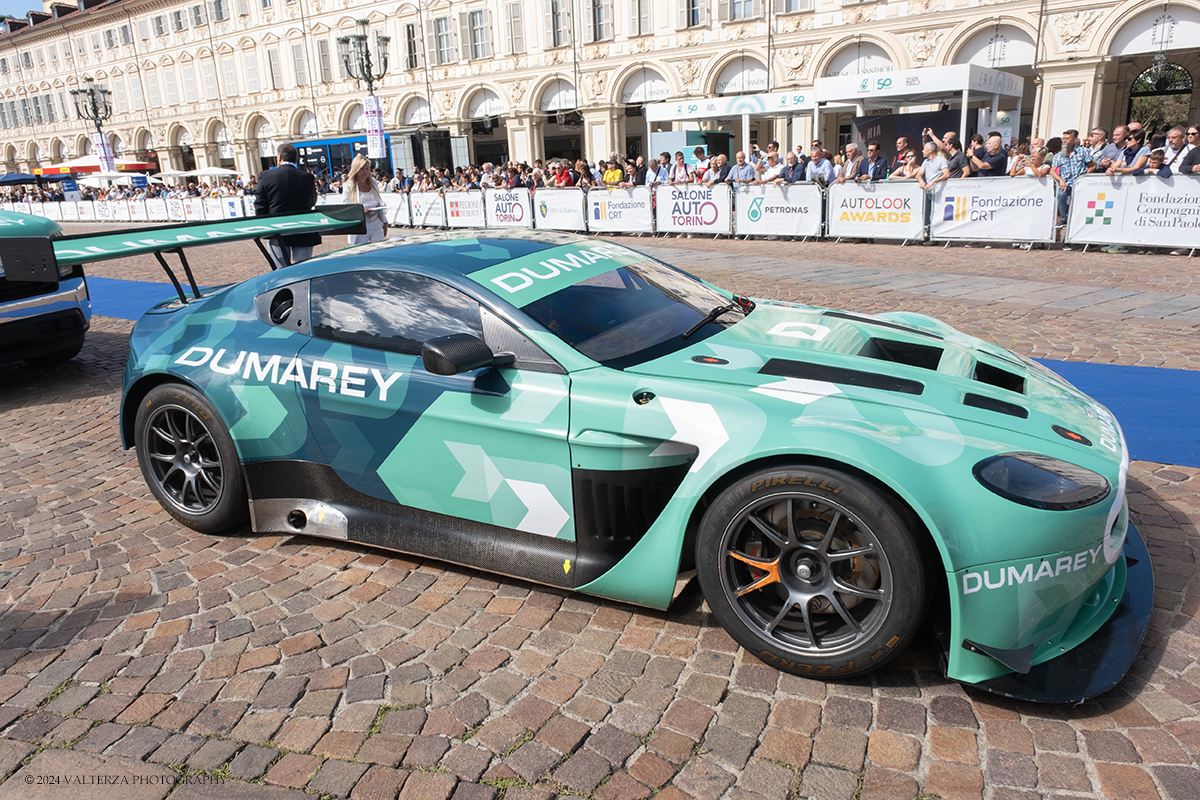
[189, 461]
[811, 570]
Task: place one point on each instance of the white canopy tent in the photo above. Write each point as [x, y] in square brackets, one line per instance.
[772, 104]
[925, 86]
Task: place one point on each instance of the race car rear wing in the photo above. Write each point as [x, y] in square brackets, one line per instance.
[33, 259]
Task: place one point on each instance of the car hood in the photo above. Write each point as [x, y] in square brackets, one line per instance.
[805, 353]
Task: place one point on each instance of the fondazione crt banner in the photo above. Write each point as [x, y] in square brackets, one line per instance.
[994, 209]
[1146, 210]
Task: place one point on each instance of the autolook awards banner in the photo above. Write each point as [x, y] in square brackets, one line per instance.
[1143, 210]
[693, 209]
[994, 209]
[876, 210]
[560, 210]
[627, 210]
[508, 208]
[788, 210]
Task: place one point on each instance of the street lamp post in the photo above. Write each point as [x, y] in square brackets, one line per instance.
[357, 58]
[93, 103]
[360, 67]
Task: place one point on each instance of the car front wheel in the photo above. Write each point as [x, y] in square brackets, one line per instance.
[811, 570]
[189, 461]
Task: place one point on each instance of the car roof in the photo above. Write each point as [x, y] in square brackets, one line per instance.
[450, 252]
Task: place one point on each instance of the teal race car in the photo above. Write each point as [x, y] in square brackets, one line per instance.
[45, 310]
[574, 413]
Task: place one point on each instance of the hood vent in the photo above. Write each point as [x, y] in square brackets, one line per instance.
[914, 355]
[882, 323]
[992, 404]
[848, 377]
[1000, 378]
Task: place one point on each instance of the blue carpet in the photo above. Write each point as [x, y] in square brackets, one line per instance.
[112, 297]
[1157, 407]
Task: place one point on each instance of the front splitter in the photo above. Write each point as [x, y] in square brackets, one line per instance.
[1100, 662]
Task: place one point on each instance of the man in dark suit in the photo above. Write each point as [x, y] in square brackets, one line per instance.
[282, 190]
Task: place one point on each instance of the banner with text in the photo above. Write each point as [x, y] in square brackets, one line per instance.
[508, 208]
[53, 210]
[156, 209]
[397, 206]
[878, 210]
[464, 209]
[428, 210]
[559, 209]
[1143, 210]
[787, 210]
[693, 209]
[994, 209]
[104, 151]
[628, 210]
[193, 209]
[373, 112]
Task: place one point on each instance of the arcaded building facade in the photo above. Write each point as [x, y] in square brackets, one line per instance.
[221, 83]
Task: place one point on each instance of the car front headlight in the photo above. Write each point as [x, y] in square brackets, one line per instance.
[1041, 481]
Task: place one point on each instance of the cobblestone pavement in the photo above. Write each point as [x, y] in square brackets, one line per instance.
[130, 647]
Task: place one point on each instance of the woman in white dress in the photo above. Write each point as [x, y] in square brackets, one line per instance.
[360, 187]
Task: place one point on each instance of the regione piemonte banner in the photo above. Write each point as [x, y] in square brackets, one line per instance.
[559, 210]
[693, 208]
[787, 210]
[620, 210]
[1146, 210]
[464, 209]
[876, 210]
[994, 209]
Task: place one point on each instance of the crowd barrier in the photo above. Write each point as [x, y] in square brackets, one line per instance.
[1128, 210]
[1147, 211]
[994, 209]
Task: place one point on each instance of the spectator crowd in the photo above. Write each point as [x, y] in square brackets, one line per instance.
[1129, 150]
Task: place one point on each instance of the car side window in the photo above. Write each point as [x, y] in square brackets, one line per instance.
[390, 310]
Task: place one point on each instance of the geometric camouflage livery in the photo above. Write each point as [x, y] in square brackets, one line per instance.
[901, 398]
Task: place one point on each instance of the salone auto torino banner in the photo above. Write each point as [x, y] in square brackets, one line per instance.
[559, 210]
[999, 209]
[508, 208]
[620, 210]
[1146, 210]
[428, 209]
[693, 209]
[464, 209]
[875, 210]
[789, 210]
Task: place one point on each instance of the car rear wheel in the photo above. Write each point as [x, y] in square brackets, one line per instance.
[189, 461]
[811, 570]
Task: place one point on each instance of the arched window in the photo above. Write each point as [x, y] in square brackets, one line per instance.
[1161, 96]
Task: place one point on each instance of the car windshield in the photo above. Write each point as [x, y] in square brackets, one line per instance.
[633, 314]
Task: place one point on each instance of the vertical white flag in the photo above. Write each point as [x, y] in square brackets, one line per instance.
[373, 110]
[104, 151]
